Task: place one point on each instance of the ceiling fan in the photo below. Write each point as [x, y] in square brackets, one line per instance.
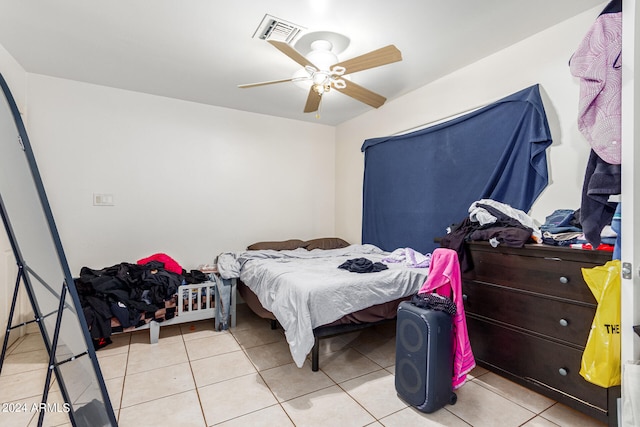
[324, 73]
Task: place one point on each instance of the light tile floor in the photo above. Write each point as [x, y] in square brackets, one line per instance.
[196, 376]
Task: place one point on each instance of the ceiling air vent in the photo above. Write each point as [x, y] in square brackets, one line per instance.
[272, 28]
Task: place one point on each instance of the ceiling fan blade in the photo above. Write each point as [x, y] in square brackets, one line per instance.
[361, 94]
[270, 82]
[313, 101]
[384, 55]
[291, 53]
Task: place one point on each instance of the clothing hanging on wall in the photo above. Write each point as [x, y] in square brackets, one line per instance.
[598, 64]
[601, 180]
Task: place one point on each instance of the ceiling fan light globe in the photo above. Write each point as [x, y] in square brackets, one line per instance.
[320, 78]
[318, 88]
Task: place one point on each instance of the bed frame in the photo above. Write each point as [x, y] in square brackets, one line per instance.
[332, 330]
[372, 316]
[196, 302]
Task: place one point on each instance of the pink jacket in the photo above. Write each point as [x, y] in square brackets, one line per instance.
[597, 63]
[444, 278]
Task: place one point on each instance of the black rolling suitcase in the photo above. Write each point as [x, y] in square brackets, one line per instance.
[424, 357]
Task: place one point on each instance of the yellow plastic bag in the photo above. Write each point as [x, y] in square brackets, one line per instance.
[601, 358]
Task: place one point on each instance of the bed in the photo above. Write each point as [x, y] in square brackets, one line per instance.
[130, 297]
[192, 302]
[299, 284]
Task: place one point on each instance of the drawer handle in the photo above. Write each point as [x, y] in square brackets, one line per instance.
[564, 280]
[563, 371]
[564, 322]
[464, 297]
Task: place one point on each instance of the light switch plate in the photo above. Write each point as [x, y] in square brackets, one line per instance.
[102, 199]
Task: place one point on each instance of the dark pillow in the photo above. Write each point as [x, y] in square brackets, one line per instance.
[277, 246]
[326, 243]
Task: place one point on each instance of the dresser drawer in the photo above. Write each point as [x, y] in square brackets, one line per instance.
[547, 364]
[545, 275]
[552, 318]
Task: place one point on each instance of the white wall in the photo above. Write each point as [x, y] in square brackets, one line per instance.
[187, 179]
[541, 59]
[15, 77]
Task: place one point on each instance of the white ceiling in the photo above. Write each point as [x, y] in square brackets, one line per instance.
[200, 50]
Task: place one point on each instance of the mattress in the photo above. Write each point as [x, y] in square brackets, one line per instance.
[306, 289]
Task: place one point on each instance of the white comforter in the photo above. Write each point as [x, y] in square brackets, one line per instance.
[306, 289]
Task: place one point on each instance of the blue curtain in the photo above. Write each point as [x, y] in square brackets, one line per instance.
[418, 184]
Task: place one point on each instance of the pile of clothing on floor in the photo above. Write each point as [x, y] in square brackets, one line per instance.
[126, 295]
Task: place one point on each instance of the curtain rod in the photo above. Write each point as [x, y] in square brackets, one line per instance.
[437, 121]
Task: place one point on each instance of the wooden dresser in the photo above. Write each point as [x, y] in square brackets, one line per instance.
[529, 312]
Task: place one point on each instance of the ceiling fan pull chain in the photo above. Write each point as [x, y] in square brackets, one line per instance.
[319, 109]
